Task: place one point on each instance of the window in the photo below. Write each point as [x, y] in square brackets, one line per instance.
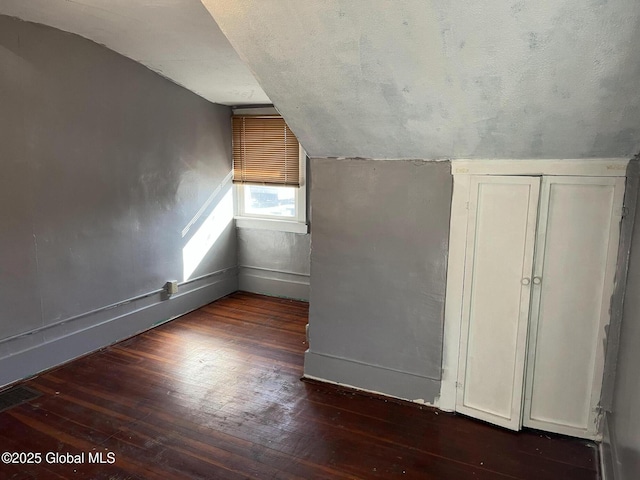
[269, 174]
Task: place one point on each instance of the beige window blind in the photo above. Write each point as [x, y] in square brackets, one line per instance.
[265, 152]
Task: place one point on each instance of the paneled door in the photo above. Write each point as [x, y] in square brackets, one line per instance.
[576, 251]
[499, 262]
[538, 277]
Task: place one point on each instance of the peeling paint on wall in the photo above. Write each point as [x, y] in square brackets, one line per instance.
[616, 309]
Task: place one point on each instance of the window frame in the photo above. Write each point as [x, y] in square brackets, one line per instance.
[297, 224]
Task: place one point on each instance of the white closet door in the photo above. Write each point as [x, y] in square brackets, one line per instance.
[573, 281]
[499, 256]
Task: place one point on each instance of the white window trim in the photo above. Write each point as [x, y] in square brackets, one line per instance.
[297, 224]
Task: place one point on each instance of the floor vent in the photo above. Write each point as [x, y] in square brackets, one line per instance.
[16, 396]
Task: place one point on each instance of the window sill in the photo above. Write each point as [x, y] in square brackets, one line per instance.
[272, 224]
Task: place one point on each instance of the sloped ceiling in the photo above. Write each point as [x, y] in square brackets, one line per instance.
[176, 38]
[447, 78]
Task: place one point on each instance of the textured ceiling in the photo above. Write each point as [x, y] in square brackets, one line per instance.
[176, 38]
[445, 78]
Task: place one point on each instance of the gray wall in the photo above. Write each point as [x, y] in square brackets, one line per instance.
[378, 268]
[274, 263]
[624, 422]
[104, 165]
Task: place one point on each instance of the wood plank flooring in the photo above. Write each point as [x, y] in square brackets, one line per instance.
[217, 394]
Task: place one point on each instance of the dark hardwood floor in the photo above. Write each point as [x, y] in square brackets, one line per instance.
[217, 394]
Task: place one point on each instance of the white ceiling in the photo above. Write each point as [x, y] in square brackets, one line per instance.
[176, 38]
[447, 78]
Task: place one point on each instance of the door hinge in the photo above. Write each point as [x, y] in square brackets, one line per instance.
[466, 205]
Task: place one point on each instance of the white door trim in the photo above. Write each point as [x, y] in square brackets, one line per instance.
[587, 167]
[453, 294]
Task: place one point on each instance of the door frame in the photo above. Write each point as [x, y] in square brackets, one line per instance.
[462, 170]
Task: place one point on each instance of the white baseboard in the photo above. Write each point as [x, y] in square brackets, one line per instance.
[33, 354]
[372, 378]
[274, 283]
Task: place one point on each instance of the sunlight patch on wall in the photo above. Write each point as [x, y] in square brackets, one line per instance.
[202, 241]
